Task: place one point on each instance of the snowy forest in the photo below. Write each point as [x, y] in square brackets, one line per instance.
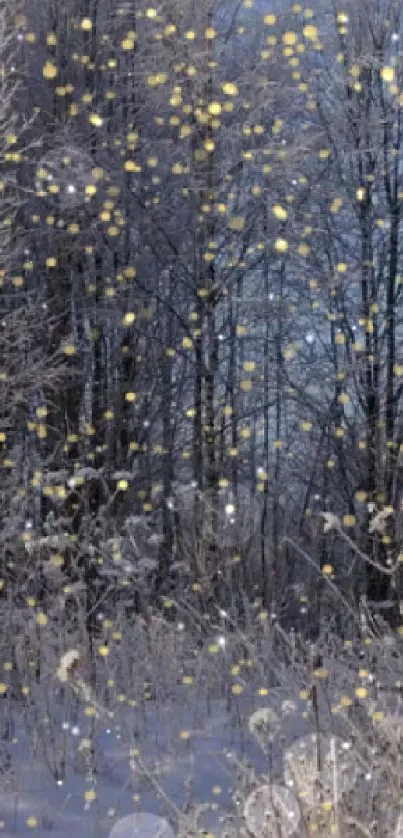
[201, 375]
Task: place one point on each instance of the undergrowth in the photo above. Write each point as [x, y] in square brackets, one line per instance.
[327, 715]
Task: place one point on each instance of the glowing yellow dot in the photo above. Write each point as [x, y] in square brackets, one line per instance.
[289, 38]
[41, 619]
[128, 44]
[237, 689]
[230, 88]
[280, 212]
[95, 119]
[321, 672]
[361, 497]
[69, 349]
[281, 245]
[89, 710]
[215, 108]
[236, 223]
[159, 78]
[304, 695]
[311, 33]
[361, 692]
[129, 318]
[49, 70]
[387, 74]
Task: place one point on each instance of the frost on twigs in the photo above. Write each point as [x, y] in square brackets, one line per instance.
[272, 810]
[332, 522]
[388, 723]
[264, 725]
[379, 522]
[67, 666]
[399, 827]
[320, 768]
[67, 674]
[58, 541]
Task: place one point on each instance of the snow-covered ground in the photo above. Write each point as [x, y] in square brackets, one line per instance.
[77, 778]
[167, 731]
